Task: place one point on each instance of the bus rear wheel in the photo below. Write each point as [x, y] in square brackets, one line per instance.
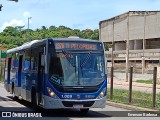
[13, 93]
[34, 98]
[84, 110]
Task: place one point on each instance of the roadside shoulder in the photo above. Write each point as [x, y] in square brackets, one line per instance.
[131, 107]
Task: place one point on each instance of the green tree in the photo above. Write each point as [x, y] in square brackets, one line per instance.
[16, 36]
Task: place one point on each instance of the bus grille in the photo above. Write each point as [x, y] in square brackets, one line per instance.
[79, 90]
[85, 89]
[84, 103]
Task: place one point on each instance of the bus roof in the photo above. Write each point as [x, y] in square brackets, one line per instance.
[75, 39]
[40, 42]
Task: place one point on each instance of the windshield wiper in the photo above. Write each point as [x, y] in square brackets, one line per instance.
[86, 59]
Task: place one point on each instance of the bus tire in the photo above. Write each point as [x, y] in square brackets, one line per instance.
[33, 97]
[84, 110]
[13, 93]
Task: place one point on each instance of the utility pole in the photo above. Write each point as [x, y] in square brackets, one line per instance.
[28, 27]
[28, 21]
[112, 55]
[112, 68]
[144, 44]
[127, 49]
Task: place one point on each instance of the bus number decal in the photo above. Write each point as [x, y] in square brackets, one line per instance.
[66, 96]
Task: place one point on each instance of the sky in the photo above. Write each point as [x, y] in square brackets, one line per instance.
[76, 14]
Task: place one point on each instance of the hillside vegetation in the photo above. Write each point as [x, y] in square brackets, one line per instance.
[15, 36]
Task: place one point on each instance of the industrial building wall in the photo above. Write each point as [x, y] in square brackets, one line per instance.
[153, 25]
[153, 44]
[136, 27]
[120, 46]
[142, 28]
[106, 33]
[138, 45]
[120, 29]
[131, 44]
[148, 22]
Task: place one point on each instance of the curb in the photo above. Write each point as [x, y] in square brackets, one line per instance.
[130, 107]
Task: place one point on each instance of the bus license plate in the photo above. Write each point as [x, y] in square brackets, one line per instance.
[78, 106]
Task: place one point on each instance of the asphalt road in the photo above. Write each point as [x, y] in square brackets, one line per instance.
[7, 104]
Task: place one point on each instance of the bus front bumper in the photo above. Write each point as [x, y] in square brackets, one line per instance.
[52, 103]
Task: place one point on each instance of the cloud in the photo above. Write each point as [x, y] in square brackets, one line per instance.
[13, 22]
[77, 26]
[16, 22]
[26, 14]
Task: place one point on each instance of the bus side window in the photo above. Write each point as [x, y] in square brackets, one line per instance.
[34, 59]
[27, 61]
[14, 63]
[34, 65]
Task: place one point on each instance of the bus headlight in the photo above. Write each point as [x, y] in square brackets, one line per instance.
[51, 93]
[102, 93]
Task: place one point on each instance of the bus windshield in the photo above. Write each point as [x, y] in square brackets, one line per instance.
[76, 69]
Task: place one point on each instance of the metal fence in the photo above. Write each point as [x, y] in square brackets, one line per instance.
[134, 92]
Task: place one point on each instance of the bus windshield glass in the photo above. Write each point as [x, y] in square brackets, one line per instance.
[76, 69]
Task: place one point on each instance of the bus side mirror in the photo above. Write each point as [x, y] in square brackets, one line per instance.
[42, 60]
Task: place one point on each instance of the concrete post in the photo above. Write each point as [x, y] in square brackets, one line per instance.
[111, 84]
[143, 65]
[144, 44]
[154, 87]
[158, 75]
[113, 47]
[127, 49]
[130, 85]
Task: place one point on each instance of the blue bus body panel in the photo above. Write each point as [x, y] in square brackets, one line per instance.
[28, 80]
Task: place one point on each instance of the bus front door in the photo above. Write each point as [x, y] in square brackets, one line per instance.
[40, 80]
[18, 91]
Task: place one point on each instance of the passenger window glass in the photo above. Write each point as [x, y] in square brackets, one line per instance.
[34, 59]
[26, 63]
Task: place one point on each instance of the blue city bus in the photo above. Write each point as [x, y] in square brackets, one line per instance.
[58, 73]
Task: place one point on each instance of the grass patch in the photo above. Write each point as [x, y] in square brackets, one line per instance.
[145, 81]
[140, 99]
[1, 78]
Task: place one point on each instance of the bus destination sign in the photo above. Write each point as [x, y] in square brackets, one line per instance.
[76, 46]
